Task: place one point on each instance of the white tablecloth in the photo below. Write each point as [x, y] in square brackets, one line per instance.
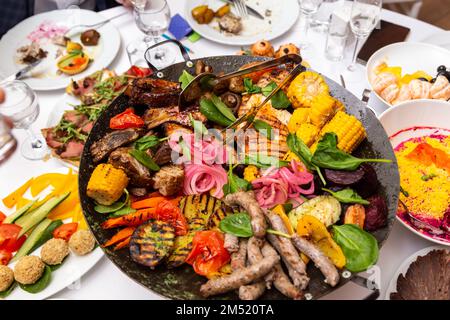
[105, 281]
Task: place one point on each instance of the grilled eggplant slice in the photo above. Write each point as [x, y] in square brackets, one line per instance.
[211, 210]
[151, 242]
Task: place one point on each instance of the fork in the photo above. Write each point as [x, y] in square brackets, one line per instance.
[241, 8]
[95, 25]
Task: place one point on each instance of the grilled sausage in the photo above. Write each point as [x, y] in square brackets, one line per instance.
[320, 260]
[254, 255]
[239, 278]
[281, 280]
[248, 201]
[231, 243]
[239, 258]
[252, 291]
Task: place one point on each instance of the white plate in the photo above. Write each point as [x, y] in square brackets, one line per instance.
[441, 39]
[392, 287]
[44, 77]
[421, 114]
[411, 56]
[73, 268]
[283, 17]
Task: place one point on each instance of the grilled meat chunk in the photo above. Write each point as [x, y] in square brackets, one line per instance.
[151, 242]
[320, 260]
[111, 141]
[169, 180]
[138, 192]
[241, 277]
[276, 75]
[139, 174]
[163, 155]
[155, 117]
[230, 23]
[154, 93]
[247, 201]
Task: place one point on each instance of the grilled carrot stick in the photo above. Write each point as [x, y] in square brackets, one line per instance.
[130, 220]
[120, 236]
[147, 203]
[122, 244]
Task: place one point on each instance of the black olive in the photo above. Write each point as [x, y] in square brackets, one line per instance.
[441, 68]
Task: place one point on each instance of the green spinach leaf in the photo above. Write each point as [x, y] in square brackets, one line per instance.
[327, 155]
[250, 87]
[144, 159]
[39, 285]
[347, 196]
[265, 161]
[148, 142]
[7, 292]
[235, 183]
[185, 78]
[263, 127]
[238, 224]
[360, 247]
[280, 100]
[223, 108]
[199, 127]
[269, 88]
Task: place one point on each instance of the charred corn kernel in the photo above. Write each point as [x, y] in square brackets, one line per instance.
[305, 87]
[339, 106]
[308, 133]
[322, 110]
[349, 130]
[299, 116]
[106, 184]
[251, 172]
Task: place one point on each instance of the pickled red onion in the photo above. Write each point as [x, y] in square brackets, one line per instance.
[200, 178]
[46, 30]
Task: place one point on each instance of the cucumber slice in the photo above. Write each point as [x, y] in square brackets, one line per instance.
[16, 215]
[39, 285]
[29, 221]
[32, 239]
[47, 234]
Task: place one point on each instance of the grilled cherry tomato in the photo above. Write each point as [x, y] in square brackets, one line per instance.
[65, 231]
[167, 211]
[125, 120]
[208, 253]
[5, 257]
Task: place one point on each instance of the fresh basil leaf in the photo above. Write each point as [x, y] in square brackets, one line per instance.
[144, 159]
[39, 285]
[147, 142]
[269, 88]
[108, 209]
[280, 100]
[263, 127]
[347, 196]
[199, 127]
[328, 156]
[238, 224]
[250, 87]
[223, 108]
[236, 184]
[185, 78]
[265, 161]
[121, 212]
[360, 247]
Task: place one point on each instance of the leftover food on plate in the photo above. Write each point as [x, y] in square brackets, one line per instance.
[427, 278]
[425, 181]
[31, 53]
[395, 87]
[244, 224]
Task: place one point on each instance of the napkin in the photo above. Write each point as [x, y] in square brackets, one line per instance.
[179, 27]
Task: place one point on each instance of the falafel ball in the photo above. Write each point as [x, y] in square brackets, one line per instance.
[82, 242]
[6, 277]
[29, 269]
[54, 251]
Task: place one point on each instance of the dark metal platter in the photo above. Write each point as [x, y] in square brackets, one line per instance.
[182, 282]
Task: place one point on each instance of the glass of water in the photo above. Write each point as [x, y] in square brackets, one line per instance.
[307, 9]
[336, 39]
[22, 108]
[364, 17]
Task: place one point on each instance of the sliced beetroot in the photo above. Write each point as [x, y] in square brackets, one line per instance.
[446, 221]
[368, 185]
[376, 213]
[344, 178]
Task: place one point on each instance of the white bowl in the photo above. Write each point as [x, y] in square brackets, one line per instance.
[424, 116]
[411, 57]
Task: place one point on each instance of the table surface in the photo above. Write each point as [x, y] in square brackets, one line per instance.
[105, 280]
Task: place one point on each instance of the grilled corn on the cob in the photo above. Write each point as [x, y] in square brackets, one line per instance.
[299, 116]
[349, 130]
[323, 109]
[305, 87]
[106, 184]
[308, 133]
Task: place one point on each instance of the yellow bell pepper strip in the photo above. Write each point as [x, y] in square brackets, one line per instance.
[43, 181]
[66, 206]
[11, 199]
[22, 202]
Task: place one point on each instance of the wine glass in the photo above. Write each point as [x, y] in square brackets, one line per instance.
[22, 108]
[153, 20]
[307, 9]
[364, 17]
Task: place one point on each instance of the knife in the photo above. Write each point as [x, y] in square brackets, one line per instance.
[250, 10]
[21, 73]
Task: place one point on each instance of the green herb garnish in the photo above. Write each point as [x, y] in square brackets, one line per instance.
[148, 142]
[263, 127]
[185, 78]
[238, 224]
[144, 159]
[347, 196]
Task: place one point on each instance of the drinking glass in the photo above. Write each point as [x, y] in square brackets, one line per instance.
[336, 39]
[22, 108]
[7, 141]
[153, 20]
[307, 9]
[364, 16]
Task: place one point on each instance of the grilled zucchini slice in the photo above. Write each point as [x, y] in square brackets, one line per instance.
[151, 242]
